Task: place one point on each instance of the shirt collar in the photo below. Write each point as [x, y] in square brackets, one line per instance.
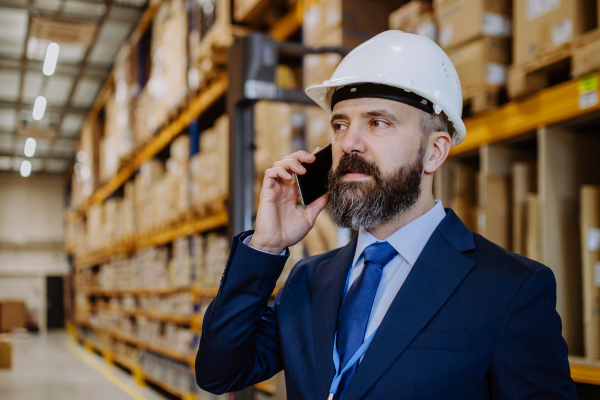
[409, 240]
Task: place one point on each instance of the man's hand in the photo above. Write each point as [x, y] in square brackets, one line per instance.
[279, 222]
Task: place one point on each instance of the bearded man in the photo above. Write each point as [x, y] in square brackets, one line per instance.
[416, 306]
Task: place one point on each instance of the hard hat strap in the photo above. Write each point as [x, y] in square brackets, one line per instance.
[380, 91]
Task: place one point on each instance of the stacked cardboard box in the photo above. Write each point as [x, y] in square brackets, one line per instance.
[152, 267]
[463, 196]
[5, 351]
[12, 315]
[180, 265]
[128, 217]
[125, 351]
[86, 175]
[151, 173]
[416, 17]
[167, 87]
[475, 35]
[210, 36]
[177, 176]
[95, 223]
[273, 134]
[112, 219]
[493, 219]
[174, 304]
[590, 257]
[543, 26]
[209, 169]
[119, 273]
[197, 256]
[318, 132]
[523, 183]
[175, 374]
[340, 23]
[216, 252]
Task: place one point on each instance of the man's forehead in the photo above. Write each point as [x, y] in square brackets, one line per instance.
[369, 106]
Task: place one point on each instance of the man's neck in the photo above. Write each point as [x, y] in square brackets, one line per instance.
[424, 204]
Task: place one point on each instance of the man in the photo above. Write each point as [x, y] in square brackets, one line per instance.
[416, 306]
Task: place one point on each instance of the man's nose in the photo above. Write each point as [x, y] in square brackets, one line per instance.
[354, 141]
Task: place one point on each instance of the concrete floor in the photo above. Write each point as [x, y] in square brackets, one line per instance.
[52, 367]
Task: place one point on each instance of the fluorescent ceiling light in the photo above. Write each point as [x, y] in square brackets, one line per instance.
[25, 168]
[39, 107]
[51, 59]
[30, 147]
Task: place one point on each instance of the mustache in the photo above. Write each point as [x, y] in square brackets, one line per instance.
[355, 163]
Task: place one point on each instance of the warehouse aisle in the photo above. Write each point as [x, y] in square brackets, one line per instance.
[53, 367]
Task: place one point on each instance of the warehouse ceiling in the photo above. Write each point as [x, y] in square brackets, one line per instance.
[89, 34]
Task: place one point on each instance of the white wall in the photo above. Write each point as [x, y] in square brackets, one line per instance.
[31, 238]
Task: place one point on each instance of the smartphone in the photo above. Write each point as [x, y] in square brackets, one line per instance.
[313, 184]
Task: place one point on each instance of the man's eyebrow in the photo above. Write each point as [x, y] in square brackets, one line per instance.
[338, 116]
[381, 113]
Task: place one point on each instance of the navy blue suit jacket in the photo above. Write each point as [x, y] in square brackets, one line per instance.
[472, 321]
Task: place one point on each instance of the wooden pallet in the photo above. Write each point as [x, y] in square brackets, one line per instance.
[483, 97]
[571, 60]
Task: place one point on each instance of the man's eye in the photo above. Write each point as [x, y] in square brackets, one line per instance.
[379, 123]
[338, 127]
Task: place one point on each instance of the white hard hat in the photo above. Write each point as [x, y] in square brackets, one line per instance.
[411, 62]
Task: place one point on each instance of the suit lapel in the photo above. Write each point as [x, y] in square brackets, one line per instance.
[328, 290]
[436, 274]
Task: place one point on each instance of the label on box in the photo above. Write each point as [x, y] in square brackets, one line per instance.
[593, 239]
[588, 82]
[446, 35]
[597, 274]
[588, 99]
[537, 8]
[588, 90]
[562, 32]
[496, 25]
[312, 18]
[496, 74]
[334, 18]
[427, 29]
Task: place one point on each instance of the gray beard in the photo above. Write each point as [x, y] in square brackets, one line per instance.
[368, 204]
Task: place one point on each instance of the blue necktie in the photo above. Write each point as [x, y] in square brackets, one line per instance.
[356, 307]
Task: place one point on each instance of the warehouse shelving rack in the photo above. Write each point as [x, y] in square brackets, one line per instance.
[556, 105]
[206, 97]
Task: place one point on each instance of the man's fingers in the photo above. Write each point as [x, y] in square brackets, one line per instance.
[301, 156]
[313, 209]
[278, 173]
[291, 166]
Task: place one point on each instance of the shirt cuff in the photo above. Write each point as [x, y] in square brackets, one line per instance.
[247, 240]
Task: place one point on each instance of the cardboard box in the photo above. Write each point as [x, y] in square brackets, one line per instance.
[355, 20]
[543, 26]
[460, 21]
[493, 221]
[414, 17]
[318, 132]
[590, 260]
[533, 238]
[5, 352]
[12, 315]
[523, 182]
[319, 68]
[482, 62]
[257, 13]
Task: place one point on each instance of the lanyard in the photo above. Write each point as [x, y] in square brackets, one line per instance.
[336, 362]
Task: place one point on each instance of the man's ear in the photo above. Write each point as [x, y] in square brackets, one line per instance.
[438, 147]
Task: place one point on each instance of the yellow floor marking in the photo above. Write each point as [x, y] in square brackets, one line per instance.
[92, 362]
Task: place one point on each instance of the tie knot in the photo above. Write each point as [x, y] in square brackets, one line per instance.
[380, 253]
